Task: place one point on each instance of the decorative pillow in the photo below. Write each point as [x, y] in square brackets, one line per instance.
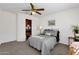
[51, 32]
[54, 33]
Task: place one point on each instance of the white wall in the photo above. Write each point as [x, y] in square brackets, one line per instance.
[64, 21]
[7, 26]
[21, 25]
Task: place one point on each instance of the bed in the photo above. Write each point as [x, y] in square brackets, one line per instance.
[45, 41]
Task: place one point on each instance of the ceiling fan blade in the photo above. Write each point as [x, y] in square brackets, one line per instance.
[41, 9]
[26, 10]
[32, 5]
[38, 12]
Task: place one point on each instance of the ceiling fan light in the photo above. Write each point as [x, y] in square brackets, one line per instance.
[33, 12]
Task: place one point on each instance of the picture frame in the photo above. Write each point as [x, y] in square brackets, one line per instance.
[51, 22]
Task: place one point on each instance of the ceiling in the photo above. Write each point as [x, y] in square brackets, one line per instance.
[49, 7]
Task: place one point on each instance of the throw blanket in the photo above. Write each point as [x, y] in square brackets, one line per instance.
[47, 45]
[43, 43]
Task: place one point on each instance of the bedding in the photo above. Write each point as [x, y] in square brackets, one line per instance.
[47, 45]
[36, 42]
[43, 42]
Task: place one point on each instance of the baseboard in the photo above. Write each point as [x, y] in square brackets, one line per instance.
[7, 42]
[20, 40]
[64, 43]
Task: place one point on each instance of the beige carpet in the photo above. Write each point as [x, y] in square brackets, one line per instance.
[22, 48]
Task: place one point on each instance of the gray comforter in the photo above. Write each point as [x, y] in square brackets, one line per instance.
[43, 43]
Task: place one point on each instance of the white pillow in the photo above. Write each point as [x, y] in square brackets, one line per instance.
[48, 33]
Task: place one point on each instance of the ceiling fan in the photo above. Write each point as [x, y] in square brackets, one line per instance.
[34, 10]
